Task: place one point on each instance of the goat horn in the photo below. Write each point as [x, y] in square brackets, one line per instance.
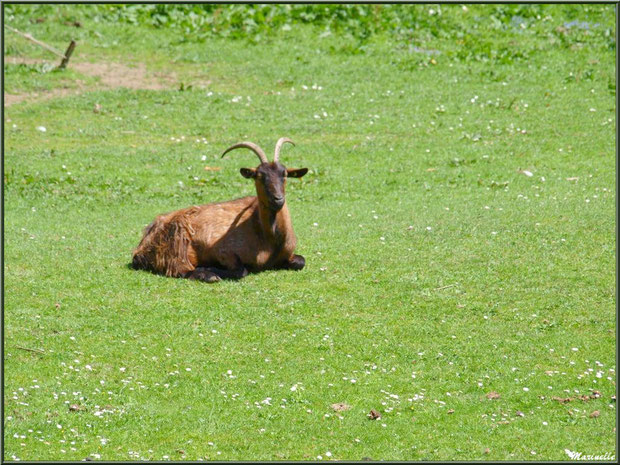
[249, 145]
[279, 144]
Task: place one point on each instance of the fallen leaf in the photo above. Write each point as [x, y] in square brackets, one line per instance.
[519, 413]
[212, 168]
[75, 408]
[374, 415]
[431, 169]
[573, 178]
[595, 414]
[493, 395]
[564, 400]
[340, 407]
[487, 450]
[451, 411]
[97, 108]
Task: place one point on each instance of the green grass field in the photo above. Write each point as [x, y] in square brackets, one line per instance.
[458, 225]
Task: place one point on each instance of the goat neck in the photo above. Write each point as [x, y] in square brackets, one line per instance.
[275, 225]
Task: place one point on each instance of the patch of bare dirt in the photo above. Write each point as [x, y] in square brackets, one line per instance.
[11, 99]
[340, 407]
[111, 75]
[119, 75]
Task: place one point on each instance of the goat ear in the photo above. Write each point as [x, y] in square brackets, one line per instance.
[248, 172]
[296, 173]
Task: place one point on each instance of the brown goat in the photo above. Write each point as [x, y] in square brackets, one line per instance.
[226, 240]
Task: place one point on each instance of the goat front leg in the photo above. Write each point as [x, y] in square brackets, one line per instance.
[202, 274]
[295, 262]
[234, 268]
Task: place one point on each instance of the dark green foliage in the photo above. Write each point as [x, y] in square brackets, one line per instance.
[254, 22]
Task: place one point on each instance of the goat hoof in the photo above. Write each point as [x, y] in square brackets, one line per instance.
[204, 275]
[297, 262]
[213, 278]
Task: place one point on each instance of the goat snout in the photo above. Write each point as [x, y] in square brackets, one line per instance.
[277, 202]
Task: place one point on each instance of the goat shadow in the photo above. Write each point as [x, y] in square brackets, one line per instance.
[129, 266]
